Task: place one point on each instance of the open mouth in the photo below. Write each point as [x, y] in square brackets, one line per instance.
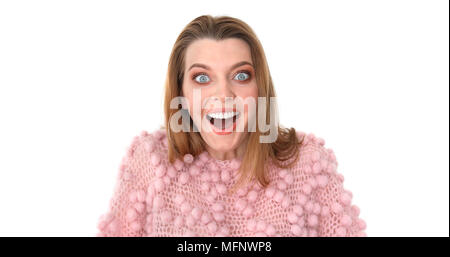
[223, 120]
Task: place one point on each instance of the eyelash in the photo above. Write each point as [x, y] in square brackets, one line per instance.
[241, 71]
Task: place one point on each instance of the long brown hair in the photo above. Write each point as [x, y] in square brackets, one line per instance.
[253, 163]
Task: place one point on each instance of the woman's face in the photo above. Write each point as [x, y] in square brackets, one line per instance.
[217, 73]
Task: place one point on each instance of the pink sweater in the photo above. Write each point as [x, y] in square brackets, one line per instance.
[189, 197]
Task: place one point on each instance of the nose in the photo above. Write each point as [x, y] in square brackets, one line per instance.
[224, 91]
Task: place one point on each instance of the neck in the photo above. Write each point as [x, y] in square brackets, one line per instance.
[237, 153]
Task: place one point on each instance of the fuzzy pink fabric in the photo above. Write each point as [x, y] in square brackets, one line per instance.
[189, 198]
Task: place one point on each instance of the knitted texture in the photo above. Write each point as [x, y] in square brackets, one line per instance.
[190, 197]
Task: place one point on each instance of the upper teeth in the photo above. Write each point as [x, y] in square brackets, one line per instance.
[222, 115]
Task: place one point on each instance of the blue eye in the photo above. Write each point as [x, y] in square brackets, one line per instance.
[202, 78]
[242, 76]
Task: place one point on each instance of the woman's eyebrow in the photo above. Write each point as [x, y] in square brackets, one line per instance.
[206, 67]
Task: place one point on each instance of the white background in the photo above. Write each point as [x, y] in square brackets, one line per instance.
[80, 79]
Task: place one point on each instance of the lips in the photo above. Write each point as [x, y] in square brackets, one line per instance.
[222, 120]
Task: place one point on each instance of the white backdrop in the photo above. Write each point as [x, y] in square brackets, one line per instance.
[80, 79]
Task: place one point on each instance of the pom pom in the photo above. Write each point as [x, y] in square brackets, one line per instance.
[205, 176]
[270, 191]
[340, 177]
[155, 159]
[160, 171]
[331, 168]
[296, 230]
[184, 177]
[317, 208]
[251, 225]
[219, 216]
[212, 227]
[248, 211]
[171, 172]
[159, 185]
[225, 175]
[166, 216]
[252, 195]
[322, 180]
[140, 195]
[281, 185]
[205, 187]
[346, 220]
[289, 178]
[224, 231]
[307, 169]
[278, 197]
[324, 163]
[113, 226]
[213, 166]
[241, 191]
[178, 222]
[325, 211]
[158, 203]
[240, 204]
[178, 164]
[179, 199]
[337, 208]
[297, 210]
[302, 199]
[135, 226]
[261, 225]
[196, 213]
[190, 221]
[185, 208]
[215, 177]
[149, 146]
[204, 156]
[217, 207]
[320, 141]
[221, 188]
[235, 164]
[313, 220]
[309, 206]
[270, 230]
[306, 188]
[139, 207]
[315, 156]
[312, 182]
[292, 218]
[206, 218]
[194, 170]
[132, 196]
[346, 198]
[131, 215]
[317, 167]
[301, 222]
[188, 158]
[361, 224]
[355, 210]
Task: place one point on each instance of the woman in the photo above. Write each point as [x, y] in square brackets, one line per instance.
[221, 165]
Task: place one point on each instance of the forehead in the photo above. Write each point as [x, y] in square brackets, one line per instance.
[217, 54]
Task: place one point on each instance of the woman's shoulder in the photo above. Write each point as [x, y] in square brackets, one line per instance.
[315, 163]
[146, 152]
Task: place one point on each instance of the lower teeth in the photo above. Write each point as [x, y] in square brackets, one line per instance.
[222, 124]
